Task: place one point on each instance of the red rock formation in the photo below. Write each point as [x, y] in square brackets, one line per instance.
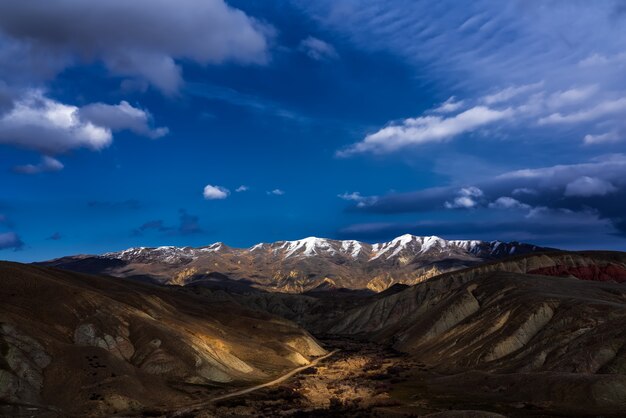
[601, 273]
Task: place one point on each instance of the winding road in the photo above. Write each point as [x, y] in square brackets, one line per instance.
[281, 379]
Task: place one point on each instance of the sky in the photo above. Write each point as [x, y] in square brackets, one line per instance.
[155, 122]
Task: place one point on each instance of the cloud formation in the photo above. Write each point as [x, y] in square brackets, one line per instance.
[576, 87]
[242, 188]
[156, 225]
[596, 187]
[45, 125]
[188, 224]
[424, 129]
[545, 227]
[47, 164]
[42, 124]
[120, 117]
[589, 186]
[276, 192]
[467, 198]
[215, 192]
[55, 237]
[506, 202]
[142, 38]
[10, 241]
[361, 201]
[317, 49]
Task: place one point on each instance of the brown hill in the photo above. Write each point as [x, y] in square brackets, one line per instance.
[495, 337]
[87, 345]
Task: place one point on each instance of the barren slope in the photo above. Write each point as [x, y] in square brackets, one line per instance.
[498, 338]
[91, 345]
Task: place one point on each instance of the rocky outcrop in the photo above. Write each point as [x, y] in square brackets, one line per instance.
[501, 322]
[22, 363]
[609, 272]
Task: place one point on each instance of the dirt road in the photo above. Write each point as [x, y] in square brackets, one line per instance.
[276, 381]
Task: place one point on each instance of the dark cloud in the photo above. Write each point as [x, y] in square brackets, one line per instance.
[130, 204]
[156, 225]
[543, 227]
[139, 38]
[55, 237]
[10, 241]
[189, 224]
[6, 98]
[597, 185]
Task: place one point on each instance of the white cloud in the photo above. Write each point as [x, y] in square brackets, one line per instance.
[604, 108]
[426, 129]
[120, 117]
[612, 136]
[472, 54]
[449, 106]
[276, 192]
[39, 123]
[242, 188]
[47, 164]
[524, 190]
[509, 93]
[600, 60]
[571, 96]
[139, 38]
[506, 202]
[42, 124]
[589, 186]
[467, 198]
[317, 49]
[361, 201]
[215, 192]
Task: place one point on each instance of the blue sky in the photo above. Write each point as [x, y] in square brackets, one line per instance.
[137, 123]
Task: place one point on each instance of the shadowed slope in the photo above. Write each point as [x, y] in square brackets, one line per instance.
[494, 337]
[88, 344]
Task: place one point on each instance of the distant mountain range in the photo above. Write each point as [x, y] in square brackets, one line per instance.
[303, 265]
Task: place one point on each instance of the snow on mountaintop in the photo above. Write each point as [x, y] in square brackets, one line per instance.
[312, 246]
[354, 247]
[420, 245]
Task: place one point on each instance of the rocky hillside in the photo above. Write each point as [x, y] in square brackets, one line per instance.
[553, 342]
[85, 345]
[302, 265]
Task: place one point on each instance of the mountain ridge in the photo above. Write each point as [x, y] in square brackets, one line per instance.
[300, 265]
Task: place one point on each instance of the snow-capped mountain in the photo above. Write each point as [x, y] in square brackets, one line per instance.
[301, 265]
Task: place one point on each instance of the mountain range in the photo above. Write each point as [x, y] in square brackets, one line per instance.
[302, 265]
[509, 330]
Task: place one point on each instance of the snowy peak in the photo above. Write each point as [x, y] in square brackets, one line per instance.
[308, 247]
[405, 246]
[303, 264]
[416, 245]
